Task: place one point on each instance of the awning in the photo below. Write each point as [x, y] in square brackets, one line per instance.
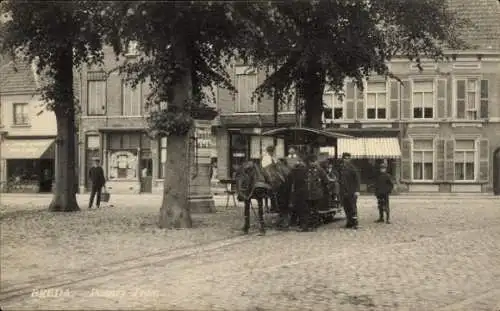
[367, 148]
[28, 149]
[382, 148]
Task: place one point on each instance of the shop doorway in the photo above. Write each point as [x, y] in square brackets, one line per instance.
[496, 172]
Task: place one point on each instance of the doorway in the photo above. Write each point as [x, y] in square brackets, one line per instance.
[147, 175]
[496, 172]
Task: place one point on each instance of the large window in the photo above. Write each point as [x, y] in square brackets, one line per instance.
[376, 100]
[131, 99]
[239, 151]
[334, 108]
[122, 161]
[423, 99]
[162, 144]
[465, 159]
[96, 93]
[471, 98]
[246, 83]
[21, 114]
[423, 160]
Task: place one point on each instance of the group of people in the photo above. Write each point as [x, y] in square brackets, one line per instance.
[311, 184]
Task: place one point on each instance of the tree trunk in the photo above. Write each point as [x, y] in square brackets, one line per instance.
[312, 90]
[174, 211]
[64, 199]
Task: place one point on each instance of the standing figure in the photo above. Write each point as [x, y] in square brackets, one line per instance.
[349, 190]
[299, 195]
[383, 187]
[317, 183]
[96, 175]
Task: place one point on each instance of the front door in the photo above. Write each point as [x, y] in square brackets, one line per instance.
[147, 175]
[496, 172]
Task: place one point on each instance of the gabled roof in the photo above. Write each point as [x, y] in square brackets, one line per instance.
[16, 78]
[484, 15]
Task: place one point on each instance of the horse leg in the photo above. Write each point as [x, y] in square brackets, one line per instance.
[262, 229]
[246, 225]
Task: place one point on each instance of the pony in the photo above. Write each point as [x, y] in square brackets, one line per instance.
[251, 184]
[255, 182]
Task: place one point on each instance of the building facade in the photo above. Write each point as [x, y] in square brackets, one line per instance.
[113, 128]
[27, 131]
[439, 130]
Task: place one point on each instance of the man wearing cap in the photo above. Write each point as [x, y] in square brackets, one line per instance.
[383, 187]
[349, 190]
[96, 175]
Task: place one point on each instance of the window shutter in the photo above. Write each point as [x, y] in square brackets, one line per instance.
[360, 105]
[406, 160]
[484, 99]
[406, 99]
[440, 159]
[484, 163]
[441, 98]
[452, 99]
[450, 160]
[223, 159]
[394, 99]
[350, 101]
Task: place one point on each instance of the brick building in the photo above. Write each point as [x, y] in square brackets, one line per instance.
[112, 128]
[27, 131]
[439, 131]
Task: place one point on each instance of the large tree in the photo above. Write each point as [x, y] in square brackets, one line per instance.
[184, 49]
[59, 36]
[318, 44]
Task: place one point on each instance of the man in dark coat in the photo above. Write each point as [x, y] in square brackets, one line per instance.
[349, 190]
[96, 175]
[383, 187]
[316, 189]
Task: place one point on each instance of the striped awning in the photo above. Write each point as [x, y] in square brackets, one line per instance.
[382, 148]
[367, 148]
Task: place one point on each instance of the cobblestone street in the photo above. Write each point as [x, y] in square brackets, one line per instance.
[440, 253]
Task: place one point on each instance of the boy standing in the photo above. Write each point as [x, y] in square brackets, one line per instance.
[98, 180]
[383, 187]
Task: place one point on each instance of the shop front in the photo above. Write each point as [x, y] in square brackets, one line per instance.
[248, 144]
[126, 157]
[367, 154]
[28, 164]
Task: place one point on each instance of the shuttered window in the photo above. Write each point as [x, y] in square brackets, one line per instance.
[423, 99]
[96, 94]
[395, 98]
[440, 160]
[423, 160]
[471, 99]
[376, 101]
[465, 160]
[246, 83]
[131, 99]
[354, 102]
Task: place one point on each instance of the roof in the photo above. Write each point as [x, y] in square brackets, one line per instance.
[484, 15]
[16, 78]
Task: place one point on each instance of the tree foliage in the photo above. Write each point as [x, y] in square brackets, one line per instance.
[58, 36]
[320, 43]
[211, 31]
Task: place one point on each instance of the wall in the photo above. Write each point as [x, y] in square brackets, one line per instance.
[43, 124]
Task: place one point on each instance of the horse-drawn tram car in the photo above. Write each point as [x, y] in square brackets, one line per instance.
[273, 179]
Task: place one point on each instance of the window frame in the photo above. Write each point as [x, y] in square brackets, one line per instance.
[126, 87]
[421, 105]
[25, 112]
[464, 151]
[105, 106]
[246, 71]
[367, 92]
[434, 153]
[477, 99]
[334, 103]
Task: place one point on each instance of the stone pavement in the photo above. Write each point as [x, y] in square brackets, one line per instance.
[439, 254]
